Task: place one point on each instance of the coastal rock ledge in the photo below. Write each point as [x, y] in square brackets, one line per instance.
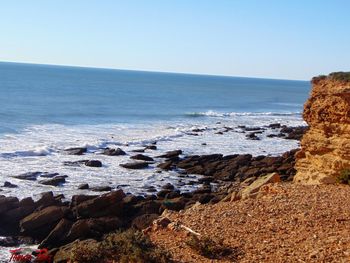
[325, 148]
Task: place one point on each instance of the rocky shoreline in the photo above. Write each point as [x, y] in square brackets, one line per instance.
[53, 222]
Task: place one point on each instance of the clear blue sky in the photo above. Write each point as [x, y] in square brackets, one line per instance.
[294, 39]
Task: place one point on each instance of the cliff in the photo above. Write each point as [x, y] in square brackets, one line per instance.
[325, 148]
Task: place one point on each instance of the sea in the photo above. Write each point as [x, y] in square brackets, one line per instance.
[46, 109]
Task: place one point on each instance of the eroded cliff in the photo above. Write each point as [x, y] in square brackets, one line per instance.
[325, 148]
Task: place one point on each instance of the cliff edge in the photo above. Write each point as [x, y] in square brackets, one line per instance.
[325, 148]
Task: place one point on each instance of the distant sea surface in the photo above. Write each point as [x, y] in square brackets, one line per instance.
[46, 109]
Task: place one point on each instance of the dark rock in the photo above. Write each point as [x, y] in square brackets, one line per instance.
[275, 125]
[252, 136]
[49, 175]
[151, 147]
[57, 236]
[205, 198]
[93, 227]
[47, 199]
[136, 165]
[148, 207]
[220, 133]
[104, 205]
[40, 223]
[78, 199]
[31, 176]
[7, 203]
[170, 154]
[83, 186]
[76, 150]
[9, 185]
[143, 221]
[93, 163]
[166, 165]
[175, 204]
[163, 193]
[253, 128]
[75, 163]
[172, 194]
[58, 180]
[113, 152]
[101, 188]
[142, 157]
[9, 242]
[138, 150]
[168, 186]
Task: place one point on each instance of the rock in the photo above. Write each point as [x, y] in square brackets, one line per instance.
[7, 203]
[93, 227]
[31, 176]
[107, 204]
[101, 188]
[9, 242]
[136, 165]
[93, 163]
[76, 150]
[170, 154]
[138, 150]
[143, 221]
[141, 157]
[83, 186]
[325, 147]
[253, 189]
[49, 175]
[275, 125]
[113, 152]
[9, 185]
[40, 223]
[47, 199]
[168, 186]
[57, 236]
[75, 163]
[56, 181]
[252, 136]
[151, 147]
[166, 165]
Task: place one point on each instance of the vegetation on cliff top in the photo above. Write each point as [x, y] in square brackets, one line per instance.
[339, 76]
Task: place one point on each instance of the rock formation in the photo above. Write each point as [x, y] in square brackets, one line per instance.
[325, 148]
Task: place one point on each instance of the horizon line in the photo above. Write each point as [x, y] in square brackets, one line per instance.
[148, 71]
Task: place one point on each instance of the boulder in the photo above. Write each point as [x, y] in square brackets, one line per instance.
[170, 154]
[56, 181]
[9, 185]
[40, 223]
[142, 157]
[93, 163]
[104, 205]
[101, 188]
[136, 165]
[31, 176]
[83, 186]
[76, 150]
[252, 190]
[7, 203]
[143, 221]
[113, 152]
[58, 235]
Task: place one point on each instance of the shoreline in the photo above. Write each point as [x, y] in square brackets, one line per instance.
[83, 214]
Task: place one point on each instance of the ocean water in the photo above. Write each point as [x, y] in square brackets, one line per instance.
[46, 109]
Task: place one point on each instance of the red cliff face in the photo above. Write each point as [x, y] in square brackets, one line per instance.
[325, 148]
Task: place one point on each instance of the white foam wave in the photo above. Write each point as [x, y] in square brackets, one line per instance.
[211, 113]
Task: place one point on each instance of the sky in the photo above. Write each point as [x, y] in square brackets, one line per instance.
[291, 39]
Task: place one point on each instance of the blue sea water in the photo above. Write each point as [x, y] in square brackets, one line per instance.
[41, 94]
[46, 109]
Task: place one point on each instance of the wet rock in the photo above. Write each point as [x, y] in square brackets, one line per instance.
[142, 157]
[101, 188]
[93, 163]
[168, 186]
[151, 147]
[274, 125]
[76, 150]
[56, 181]
[31, 176]
[138, 150]
[171, 154]
[9, 185]
[75, 163]
[47, 199]
[9, 242]
[252, 136]
[113, 152]
[49, 175]
[166, 165]
[83, 186]
[136, 165]
[219, 133]
[253, 128]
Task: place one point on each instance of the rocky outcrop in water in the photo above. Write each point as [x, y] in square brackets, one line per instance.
[325, 148]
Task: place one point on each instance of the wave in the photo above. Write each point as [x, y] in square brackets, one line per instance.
[211, 113]
[43, 151]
